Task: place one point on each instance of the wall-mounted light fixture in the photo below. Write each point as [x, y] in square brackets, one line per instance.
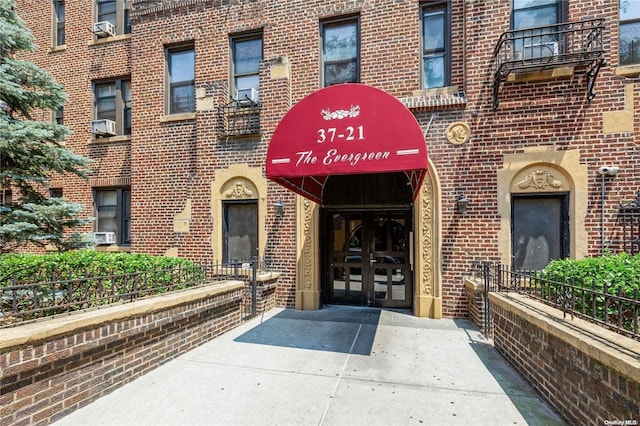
[278, 208]
[462, 203]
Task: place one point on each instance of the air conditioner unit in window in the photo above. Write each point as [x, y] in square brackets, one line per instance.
[103, 127]
[101, 238]
[104, 29]
[248, 96]
[540, 50]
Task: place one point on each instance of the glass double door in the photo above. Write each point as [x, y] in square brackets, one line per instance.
[368, 258]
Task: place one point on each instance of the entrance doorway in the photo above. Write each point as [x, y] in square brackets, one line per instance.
[367, 258]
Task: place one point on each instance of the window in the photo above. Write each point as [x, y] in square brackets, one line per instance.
[180, 80]
[537, 43]
[113, 213]
[113, 102]
[55, 192]
[5, 197]
[58, 22]
[58, 116]
[340, 51]
[240, 230]
[116, 12]
[629, 32]
[246, 54]
[540, 230]
[436, 57]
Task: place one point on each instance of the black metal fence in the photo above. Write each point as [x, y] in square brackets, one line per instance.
[21, 302]
[612, 307]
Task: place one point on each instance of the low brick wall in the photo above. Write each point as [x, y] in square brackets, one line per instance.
[53, 367]
[474, 289]
[589, 374]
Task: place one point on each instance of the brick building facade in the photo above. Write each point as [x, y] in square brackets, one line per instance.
[521, 105]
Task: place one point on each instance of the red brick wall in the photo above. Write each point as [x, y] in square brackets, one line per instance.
[170, 162]
[47, 379]
[582, 385]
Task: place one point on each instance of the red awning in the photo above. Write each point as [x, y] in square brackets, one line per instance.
[341, 130]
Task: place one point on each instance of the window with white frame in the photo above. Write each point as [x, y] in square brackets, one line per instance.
[113, 102]
[629, 46]
[340, 51]
[180, 79]
[113, 212]
[58, 22]
[246, 53]
[436, 46]
[116, 12]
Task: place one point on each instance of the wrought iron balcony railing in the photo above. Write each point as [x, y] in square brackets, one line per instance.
[238, 119]
[570, 44]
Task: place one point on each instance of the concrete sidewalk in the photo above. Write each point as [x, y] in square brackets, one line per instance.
[336, 366]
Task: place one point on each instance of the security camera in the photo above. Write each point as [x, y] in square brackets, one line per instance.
[608, 170]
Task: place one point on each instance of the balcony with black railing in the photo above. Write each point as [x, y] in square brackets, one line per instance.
[575, 45]
[238, 119]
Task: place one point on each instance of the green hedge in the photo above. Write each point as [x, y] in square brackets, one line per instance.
[617, 271]
[31, 268]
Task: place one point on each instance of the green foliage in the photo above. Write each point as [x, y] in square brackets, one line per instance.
[615, 271]
[43, 285]
[575, 281]
[31, 151]
[32, 268]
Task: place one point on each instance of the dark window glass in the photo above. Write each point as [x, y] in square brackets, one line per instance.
[106, 101]
[435, 45]
[240, 230]
[247, 55]
[113, 102]
[59, 115]
[59, 22]
[341, 52]
[629, 32]
[107, 10]
[181, 80]
[55, 192]
[539, 230]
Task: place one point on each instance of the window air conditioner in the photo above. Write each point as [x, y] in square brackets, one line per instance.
[247, 96]
[104, 29]
[103, 127]
[104, 237]
[540, 50]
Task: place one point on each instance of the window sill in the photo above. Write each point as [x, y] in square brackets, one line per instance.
[447, 90]
[627, 70]
[442, 97]
[112, 139]
[112, 39]
[185, 116]
[59, 48]
[113, 248]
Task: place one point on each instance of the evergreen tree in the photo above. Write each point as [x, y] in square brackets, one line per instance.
[31, 151]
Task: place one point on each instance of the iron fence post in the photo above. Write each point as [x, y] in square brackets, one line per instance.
[254, 286]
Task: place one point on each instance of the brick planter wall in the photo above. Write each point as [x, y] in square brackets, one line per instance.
[589, 374]
[475, 299]
[53, 367]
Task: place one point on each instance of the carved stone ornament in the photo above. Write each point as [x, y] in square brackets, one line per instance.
[427, 237]
[458, 133]
[539, 179]
[239, 190]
